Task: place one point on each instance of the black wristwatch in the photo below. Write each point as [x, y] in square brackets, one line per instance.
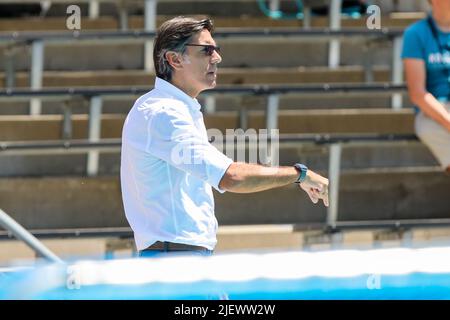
[302, 169]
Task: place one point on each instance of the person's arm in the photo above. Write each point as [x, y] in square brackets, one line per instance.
[174, 139]
[415, 79]
[246, 178]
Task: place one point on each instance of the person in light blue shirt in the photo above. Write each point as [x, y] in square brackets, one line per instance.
[168, 167]
[426, 56]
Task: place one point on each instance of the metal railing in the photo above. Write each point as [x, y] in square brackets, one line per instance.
[340, 226]
[96, 96]
[331, 227]
[22, 234]
[150, 15]
[334, 143]
[37, 40]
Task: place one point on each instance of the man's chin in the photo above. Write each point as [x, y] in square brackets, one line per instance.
[210, 85]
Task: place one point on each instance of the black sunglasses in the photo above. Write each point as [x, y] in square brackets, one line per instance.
[208, 49]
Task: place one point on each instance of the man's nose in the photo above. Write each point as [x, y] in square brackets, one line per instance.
[216, 58]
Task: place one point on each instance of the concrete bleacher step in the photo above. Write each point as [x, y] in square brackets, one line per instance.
[350, 74]
[360, 155]
[261, 53]
[236, 52]
[321, 101]
[137, 22]
[354, 157]
[49, 127]
[79, 202]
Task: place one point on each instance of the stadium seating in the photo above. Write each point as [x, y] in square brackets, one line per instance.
[51, 191]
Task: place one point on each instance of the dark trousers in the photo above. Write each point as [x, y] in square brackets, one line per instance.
[170, 248]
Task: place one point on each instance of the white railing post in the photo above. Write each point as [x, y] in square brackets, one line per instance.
[94, 9]
[10, 78]
[397, 71]
[367, 61]
[273, 102]
[150, 25]
[210, 103]
[272, 112]
[37, 67]
[334, 174]
[243, 117]
[22, 234]
[307, 15]
[67, 121]
[94, 134]
[274, 5]
[123, 15]
[335, 24]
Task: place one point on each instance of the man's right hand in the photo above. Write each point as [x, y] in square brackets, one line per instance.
[316, 187]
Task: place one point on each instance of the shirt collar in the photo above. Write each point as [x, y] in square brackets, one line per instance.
[169, 88]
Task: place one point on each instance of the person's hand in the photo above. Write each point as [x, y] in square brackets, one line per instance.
[316, 187]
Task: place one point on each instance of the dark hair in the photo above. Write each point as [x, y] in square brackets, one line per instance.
[173, 35]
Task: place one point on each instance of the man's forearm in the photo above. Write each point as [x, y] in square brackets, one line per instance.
[246, 177]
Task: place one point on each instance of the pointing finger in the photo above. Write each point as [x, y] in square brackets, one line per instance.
[312, 196]
[325, 201]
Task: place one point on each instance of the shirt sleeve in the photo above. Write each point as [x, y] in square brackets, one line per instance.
[412, 45]
[174, 138]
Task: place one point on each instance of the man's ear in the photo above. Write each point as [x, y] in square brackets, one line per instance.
[174, 59]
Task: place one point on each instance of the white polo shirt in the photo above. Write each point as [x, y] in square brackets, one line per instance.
[167, 169]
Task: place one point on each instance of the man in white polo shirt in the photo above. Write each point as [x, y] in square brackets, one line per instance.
[168, 201]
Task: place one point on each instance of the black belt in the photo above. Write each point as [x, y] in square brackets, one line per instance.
[172, 246]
